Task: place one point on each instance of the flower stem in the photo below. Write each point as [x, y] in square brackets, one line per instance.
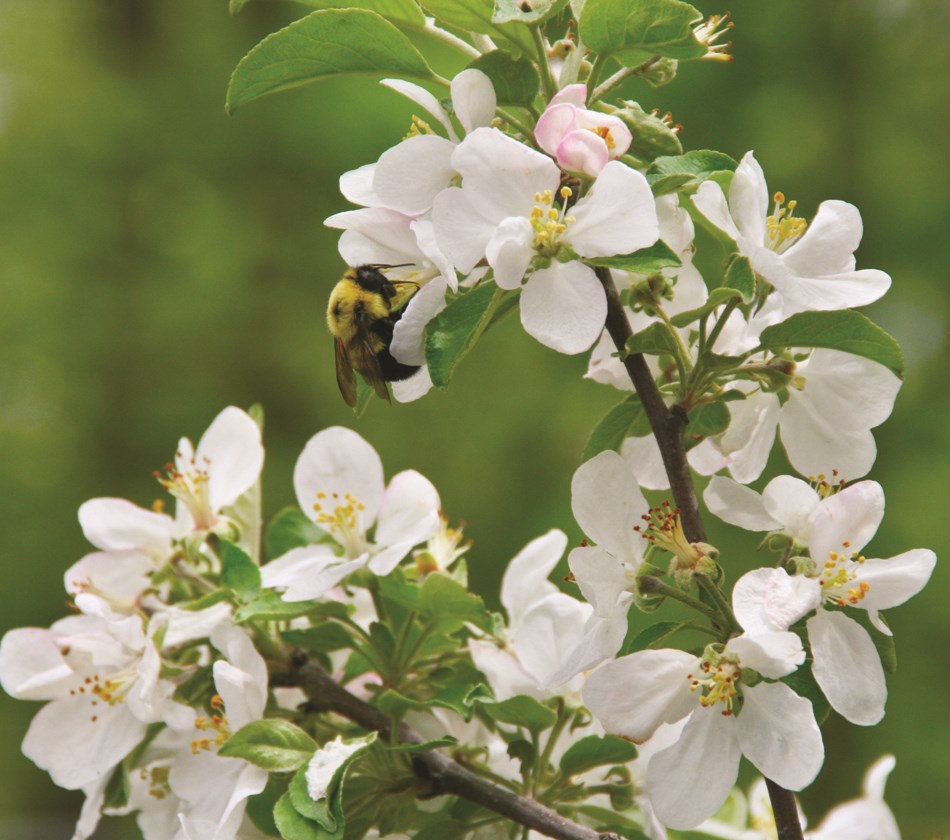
[448, 38]
[544, 67]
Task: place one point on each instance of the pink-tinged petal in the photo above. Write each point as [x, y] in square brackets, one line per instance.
[338, 460]
[409, 511]
[845, 522]
[119, 525]
[791, 501]
[122, 575]
[308, 572]
[553, 124]
[509, 251]
[738, 505]
[526, 578]
[424, 100]
[501, 175]
[643, 454]
[546, 633]
[633, 695]
[834, 291]
[681, 784]
[506, 675]
[461, 231]
[600, 576]
[408, 344]
[413, 388]
[473, 99]
[771, 599]
[78, 743]
[749, 199]
[773, 653]
[232, 452]
[617, 216]
[710, 200]
[357, 186]
[607, 504]
[847, 667]
[32, 666]
[564, 307]
[583, 152]
[618, 136]
[411, 174]
[852, 392]
[894, 581]
[829, 243]
[779, 735]
[573, 94]
[815, 444]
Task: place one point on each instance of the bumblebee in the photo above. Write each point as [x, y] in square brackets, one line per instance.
[364, 307]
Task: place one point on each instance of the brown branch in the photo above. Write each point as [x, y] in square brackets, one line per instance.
[445, 775]
[669, 426]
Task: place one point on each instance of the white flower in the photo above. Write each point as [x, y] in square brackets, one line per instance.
[846, 663]
[865, 818]
[543, 623]
[214, 789]
[775, 728]
[339, 483]
[810, 265]
[504, 212]
[825, 423]
[607, 504]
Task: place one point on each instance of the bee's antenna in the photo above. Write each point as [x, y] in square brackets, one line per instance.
[379, 266]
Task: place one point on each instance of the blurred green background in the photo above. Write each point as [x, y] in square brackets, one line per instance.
[159, 260]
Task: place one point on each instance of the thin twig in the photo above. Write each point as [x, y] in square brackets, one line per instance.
[445, 775]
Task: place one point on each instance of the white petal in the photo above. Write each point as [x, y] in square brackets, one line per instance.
[509, 251]
[307, 572]
[357, 186]
[32, 666]
[413, 388]
[605, 366]
[424, 100]
[816, 444]
[602, 637]
[408, 344]
[409, 510]
[710, 200]
[461, 231]
[773, 653]
[749, 199]
[506, 675]
[894, 581]
[679, 783]
[633, 695]
[771, 599]
[601, 577]
[118, 574]
[119, 525]
[187, 625]
[243, 685]
[791, 501]
[643, 455]
[424, 231]
[829, 243]
[473, 98]
[750, 435]
[411, 174]
[847, 667]
[232, 452]
[546, 633]
[338, 460]
[779, 735]
[832, 292]
[607, 503]
[851, 516]
[738, 505]
[525, 580]
[564, 307]
[617, 216]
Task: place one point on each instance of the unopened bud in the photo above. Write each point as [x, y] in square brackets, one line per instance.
[646, 295]
[653, 135]
[659, 73]
[799, 565]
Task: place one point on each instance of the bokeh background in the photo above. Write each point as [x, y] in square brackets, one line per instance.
[159, 260]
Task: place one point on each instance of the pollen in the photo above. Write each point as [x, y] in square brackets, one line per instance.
[783, 227]
[603, 132]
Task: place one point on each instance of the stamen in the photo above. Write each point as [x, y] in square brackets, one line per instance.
[783, 228]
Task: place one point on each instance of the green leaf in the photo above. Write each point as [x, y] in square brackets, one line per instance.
[536, 12]
[741, 277]
[645, 261]
[652, 635]
[234, 6]
[596, 751]
[803, 683]
[323, 44]
[425, 746]
[708, 420]
[454, 331]
[292, 825]
[398, 11]
[477, 16]
[275, 744]
[717, 297]
[458, 698]
[290, 529]
[655, 340]
[521, 710]
[616, 426]
[447, 605]
[700, 165]
[847, 330]
[239, 572]
[268, 606]
[260, 808]
[641, 30]
[321, 638]
[652, 137]
[515, 80]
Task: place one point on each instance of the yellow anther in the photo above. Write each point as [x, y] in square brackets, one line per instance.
[566, 192]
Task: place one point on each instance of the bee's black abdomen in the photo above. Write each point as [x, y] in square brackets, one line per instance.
[394, 371]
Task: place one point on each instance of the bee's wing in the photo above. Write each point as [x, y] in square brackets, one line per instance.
[344, 374]
[365, 359]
